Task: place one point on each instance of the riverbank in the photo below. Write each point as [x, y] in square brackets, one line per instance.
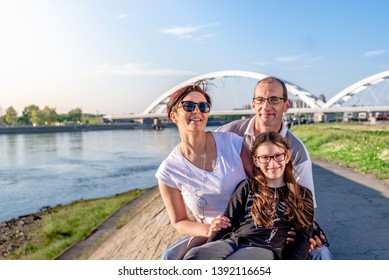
[47, 233]
[64, 128]
[14, 233]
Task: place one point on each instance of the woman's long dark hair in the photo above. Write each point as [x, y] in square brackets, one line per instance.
[298, 200]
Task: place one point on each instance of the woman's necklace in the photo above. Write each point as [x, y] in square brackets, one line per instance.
[201, 202]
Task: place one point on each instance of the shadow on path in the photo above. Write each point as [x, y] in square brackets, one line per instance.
[353, 210]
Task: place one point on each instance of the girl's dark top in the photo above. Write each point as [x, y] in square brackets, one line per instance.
[246, 233]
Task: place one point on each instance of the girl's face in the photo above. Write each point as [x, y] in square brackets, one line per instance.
[194, 120]
[272, 159]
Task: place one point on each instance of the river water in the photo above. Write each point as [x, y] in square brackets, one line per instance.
[38, 170]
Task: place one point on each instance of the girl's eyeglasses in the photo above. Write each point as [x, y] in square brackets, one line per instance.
[266, 159]
[189, 106]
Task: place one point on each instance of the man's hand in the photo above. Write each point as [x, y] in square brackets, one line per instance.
[316, 242]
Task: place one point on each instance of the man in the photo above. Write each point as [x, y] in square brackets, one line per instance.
[270, 102]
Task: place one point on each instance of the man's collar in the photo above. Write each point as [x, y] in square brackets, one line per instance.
[283, 130]
[250, 128]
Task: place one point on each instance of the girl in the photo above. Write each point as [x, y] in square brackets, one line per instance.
[263, 209]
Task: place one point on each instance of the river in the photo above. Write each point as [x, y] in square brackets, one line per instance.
[38, 170]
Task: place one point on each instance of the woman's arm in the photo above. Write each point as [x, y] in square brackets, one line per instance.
[176, 209]
[179, 218]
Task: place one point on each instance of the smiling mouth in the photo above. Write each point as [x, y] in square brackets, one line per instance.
[194, 119]
[273, 169]
[266, 114]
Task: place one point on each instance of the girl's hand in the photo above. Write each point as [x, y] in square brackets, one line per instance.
[291, 238]
[218, 223]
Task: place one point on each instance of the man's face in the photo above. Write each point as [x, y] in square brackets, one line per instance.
[270, 115]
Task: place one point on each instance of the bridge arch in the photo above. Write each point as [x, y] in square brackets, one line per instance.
[355, 88]
[158, 105]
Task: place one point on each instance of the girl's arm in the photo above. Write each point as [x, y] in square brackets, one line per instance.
[300, 249]
[301, 246]
[234, 211]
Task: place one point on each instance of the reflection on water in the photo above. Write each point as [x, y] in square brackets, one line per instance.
[39, 170]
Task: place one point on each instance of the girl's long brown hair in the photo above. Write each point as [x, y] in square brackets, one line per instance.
[298, 200]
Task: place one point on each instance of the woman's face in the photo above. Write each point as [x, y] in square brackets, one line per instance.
[271, 159]
[194, 120]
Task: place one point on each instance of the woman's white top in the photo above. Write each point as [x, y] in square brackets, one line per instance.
[206, 193]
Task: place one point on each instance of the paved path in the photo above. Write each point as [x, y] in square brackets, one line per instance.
[353, 210]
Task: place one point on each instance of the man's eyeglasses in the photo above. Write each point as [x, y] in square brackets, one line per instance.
[266, 159]
[271, 100]
[189, 106]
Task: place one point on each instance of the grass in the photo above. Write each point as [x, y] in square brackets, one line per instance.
[67, 224]
[362, 147]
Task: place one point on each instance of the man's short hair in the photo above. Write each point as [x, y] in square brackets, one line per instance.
[270, 80]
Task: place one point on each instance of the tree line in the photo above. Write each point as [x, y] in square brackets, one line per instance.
[33, 115]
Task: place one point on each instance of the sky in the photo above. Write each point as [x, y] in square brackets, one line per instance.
[118, 56]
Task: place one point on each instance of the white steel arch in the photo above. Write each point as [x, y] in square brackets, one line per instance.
[355, 88]
[304, 95]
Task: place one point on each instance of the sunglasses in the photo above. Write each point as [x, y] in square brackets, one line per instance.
[189, 106]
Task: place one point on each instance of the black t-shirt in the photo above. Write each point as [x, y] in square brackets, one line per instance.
[245, 232]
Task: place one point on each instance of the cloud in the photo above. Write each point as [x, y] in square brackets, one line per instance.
[133, 69]
[374, 53]
[180, 31]
[122, 16]
[189, 32]
[289, 59]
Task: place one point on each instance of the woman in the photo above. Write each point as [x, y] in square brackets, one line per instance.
[201, 172]
[263, 209]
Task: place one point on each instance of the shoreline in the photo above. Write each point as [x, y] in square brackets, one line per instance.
[14, 232]
[64, 128]
[9, 130]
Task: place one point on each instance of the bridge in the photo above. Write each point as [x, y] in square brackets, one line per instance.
[373, 88]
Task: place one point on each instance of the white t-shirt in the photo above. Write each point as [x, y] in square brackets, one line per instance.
[206, 193]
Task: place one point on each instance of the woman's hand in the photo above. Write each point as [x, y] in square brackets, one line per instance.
[218, 223]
